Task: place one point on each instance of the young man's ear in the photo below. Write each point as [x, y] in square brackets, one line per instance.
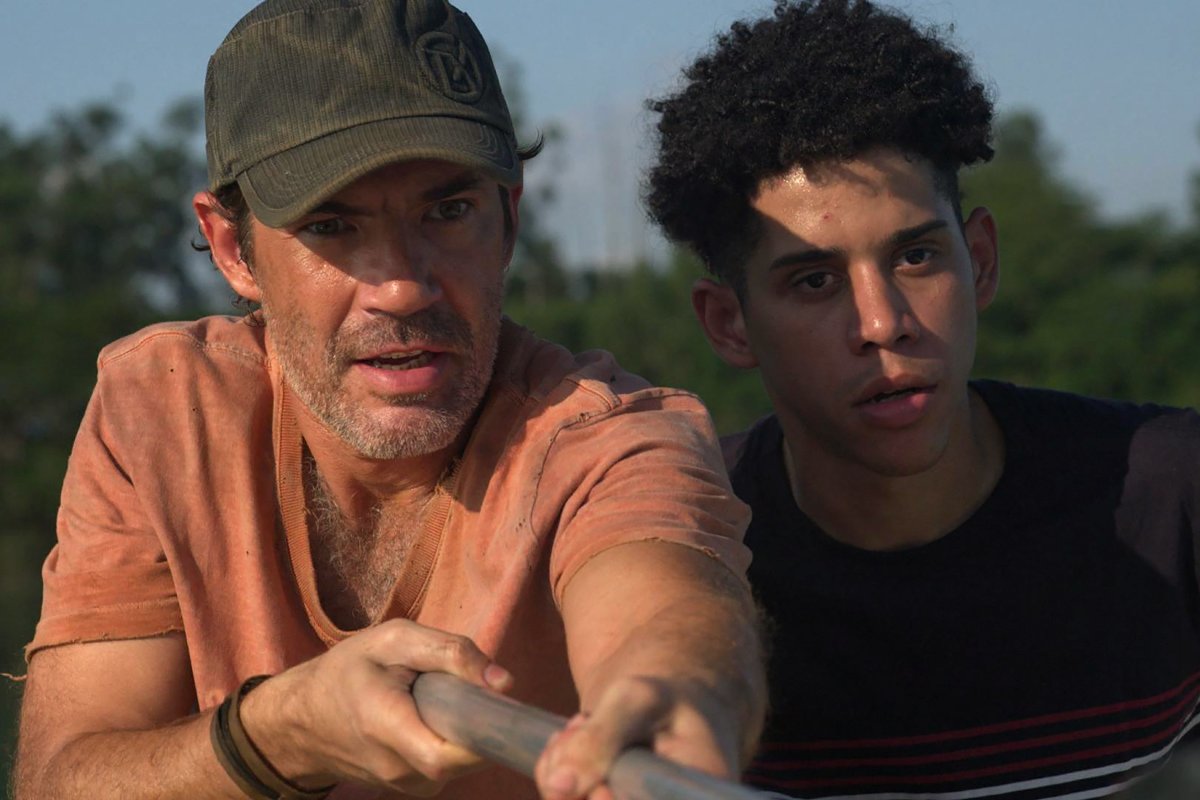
[222, 236]
[721, 316]
[983, 245]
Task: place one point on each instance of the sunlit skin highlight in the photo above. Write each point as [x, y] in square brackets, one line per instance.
[860, 314]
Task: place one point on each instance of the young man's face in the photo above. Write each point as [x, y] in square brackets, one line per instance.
[383, 305]
[860, 311]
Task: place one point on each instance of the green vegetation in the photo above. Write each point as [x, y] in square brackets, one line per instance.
[94, 232]
[1085, 305]
[94, 223]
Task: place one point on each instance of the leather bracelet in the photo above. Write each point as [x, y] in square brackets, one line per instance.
[242, 761]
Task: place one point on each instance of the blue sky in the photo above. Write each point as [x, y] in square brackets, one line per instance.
[1117, 83]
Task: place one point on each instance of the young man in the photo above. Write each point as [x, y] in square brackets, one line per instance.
[976, 590]
[376, 475]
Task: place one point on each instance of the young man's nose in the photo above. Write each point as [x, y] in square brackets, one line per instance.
[883, 315]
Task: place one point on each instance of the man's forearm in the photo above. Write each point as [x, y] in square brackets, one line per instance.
[699, 644]
[172, 761]
[665, 650]
[671, 615]
[343, 716]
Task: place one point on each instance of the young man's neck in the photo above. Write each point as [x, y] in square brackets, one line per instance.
[871, 511]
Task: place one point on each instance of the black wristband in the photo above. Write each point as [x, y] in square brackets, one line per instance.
[242, 761]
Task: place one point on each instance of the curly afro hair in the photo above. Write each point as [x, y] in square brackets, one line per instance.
[818, 81]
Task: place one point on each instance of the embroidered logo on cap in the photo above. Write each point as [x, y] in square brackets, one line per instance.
[450, 66]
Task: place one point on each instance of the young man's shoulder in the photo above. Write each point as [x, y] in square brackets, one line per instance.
[749, 444]
[1066, 448]
[1055, 414]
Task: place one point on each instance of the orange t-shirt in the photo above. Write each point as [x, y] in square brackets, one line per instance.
[183, 510]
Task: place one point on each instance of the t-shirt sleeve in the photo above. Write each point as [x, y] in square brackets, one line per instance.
[107, 576]
[651, 471]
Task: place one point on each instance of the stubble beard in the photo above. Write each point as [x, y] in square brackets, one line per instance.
[441, 417]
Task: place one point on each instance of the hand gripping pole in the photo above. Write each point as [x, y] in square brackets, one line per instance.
[510, 733]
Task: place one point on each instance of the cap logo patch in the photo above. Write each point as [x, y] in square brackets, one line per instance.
[450, 66]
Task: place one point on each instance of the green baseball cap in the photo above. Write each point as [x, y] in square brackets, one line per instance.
[306, 96]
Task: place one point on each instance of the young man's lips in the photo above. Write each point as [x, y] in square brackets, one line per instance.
[887, 395]
[884, 389]
[895, 407]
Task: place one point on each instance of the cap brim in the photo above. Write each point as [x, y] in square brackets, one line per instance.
[285, 187]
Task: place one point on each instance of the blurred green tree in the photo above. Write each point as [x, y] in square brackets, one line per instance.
[643, 315]
[537, 273]
[1084, 305]
[94, 228]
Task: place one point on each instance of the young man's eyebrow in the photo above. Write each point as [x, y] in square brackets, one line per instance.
[818, 255]
[916, 232]
[802, 258]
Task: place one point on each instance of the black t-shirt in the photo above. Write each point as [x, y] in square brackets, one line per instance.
[1048, 647]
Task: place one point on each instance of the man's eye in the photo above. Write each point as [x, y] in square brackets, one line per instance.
[326, 227]
[450, 209]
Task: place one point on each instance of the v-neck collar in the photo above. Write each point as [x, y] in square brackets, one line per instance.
[408, 591]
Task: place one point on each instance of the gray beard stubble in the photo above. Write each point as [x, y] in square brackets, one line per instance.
[318, 385]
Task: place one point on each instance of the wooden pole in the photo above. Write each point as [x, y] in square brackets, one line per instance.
[513, 734]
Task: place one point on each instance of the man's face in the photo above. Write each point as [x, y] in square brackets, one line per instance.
[383, 304]
[860, 311]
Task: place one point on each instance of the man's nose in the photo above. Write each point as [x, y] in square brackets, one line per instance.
[399, 276]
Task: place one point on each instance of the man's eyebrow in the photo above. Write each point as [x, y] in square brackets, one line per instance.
[451, 186]
[338, 209]
[459, 183]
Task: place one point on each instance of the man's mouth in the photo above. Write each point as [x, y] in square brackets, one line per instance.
[400, 361]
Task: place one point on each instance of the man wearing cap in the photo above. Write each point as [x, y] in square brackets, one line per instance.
[271, 525]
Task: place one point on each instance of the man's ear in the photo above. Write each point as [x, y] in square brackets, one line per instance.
[721, 316]
[983, 245]
[222, 237]
[513, 196]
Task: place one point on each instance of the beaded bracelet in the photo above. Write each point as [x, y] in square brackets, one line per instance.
[242, 761]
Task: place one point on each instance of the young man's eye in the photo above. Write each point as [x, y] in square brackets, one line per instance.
[813, 281]
[450, 209]
[915, 256]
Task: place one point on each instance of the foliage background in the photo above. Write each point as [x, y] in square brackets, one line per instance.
[94, 232]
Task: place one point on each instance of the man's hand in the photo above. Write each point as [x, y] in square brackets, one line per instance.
[645, 712]
[663, 642]
[350, 714]
[347, 714]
